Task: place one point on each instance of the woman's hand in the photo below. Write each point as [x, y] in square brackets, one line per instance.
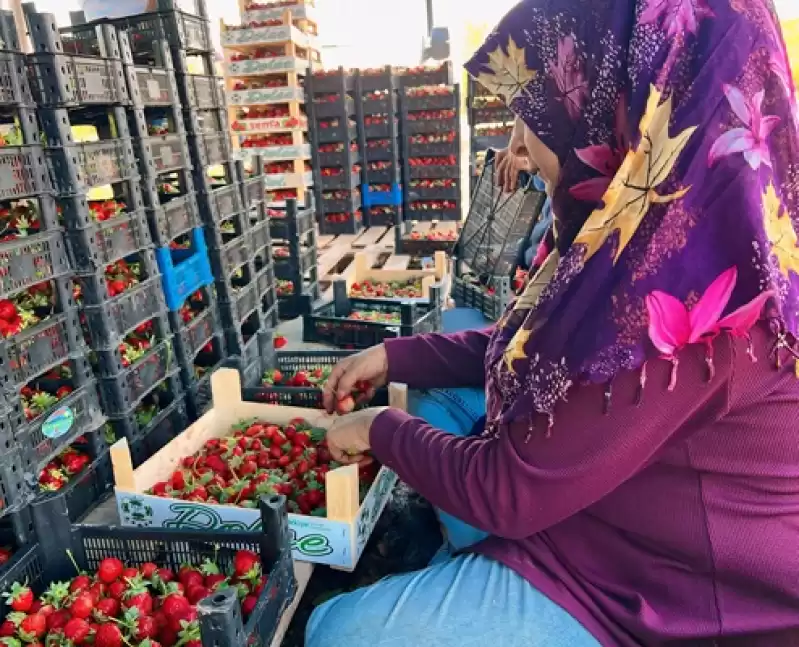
[348, 436]
[508, 165]
[370, 365]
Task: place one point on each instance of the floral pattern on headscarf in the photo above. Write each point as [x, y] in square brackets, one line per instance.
[675, 125]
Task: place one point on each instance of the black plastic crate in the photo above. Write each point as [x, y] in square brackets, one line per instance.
[162, 430]
[412, 101]
[333, 323]
[434, 171]
[175, 218]
[103, 243]
[299, 261]
[386, 151]
[297, 305]
[15, 91]
[491, 300]
[31, 260]
[25, 172]
[191, 337]
[347, 179]
[249, 341]
[206, 121]
[202, 92]
[290, 363]
[219, 614]
[122, 392]
[339, 201]
[17, 535]
[449, 213]
[434, 149]
[342, 107]
[434, 189]
[108, 321]
[389, 174]
[339, 80]
[14, 490]
[377, 129]
[210, 149]
[254, 191]
[435, 122]
[36, 350]
[421, 75]
[345, 155]
[41, 439]
[163, 153]
[229, 257]
[198, 394]
[376, 79]
[332, 224]
[220, 203]
[288, 222]
[147, 414]
[76, 168]
[238, 295]
[154, 86]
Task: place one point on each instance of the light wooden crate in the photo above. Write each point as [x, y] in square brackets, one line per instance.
[337, 540]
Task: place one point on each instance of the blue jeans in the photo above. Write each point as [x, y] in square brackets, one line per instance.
[462, 601]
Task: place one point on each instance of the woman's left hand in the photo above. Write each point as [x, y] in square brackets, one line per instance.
[348, 436]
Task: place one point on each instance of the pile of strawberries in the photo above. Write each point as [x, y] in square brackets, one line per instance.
[26, 308]
[336, 171]
[257, 24]
[379, 166]
[431, 115]
[384, 210]
[262, 141]
[435, 235]
[449, 160]
[337, 147]
[434, 138]
[433, 205]
[378, 143]
[267, 112]
[280, 195]
[340, 194]
[493, 131]
[102, 210]
[343, 217]
[410, 289]
[136, 344]
[375, 120]
[257, 459]
[18, 219]
[261, 52]
[377, 316]
[437, 183]
[326, 98]
[429, 91]
[375, 95]
[279, 81]
[121, 606]
[419, 69]
[64, 467]
[315, 378]
[284, 288]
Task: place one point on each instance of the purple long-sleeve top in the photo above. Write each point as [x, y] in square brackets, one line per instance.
[674, 520]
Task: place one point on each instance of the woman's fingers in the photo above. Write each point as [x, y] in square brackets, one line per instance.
[332, 385]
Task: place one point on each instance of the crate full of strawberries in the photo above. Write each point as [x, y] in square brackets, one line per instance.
[118, 587]
[212, 475]
[296, 379]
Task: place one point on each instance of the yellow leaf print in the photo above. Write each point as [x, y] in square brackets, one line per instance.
[509, 72]
[780, 232]
[632, 190]
[515, 349]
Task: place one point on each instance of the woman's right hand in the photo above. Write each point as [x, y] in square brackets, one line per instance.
[370, 365]
[508, 165]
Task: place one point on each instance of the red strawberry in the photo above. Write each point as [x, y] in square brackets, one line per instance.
[175, 605]
[82, 606]
[33, 627]
[197, 593]
[117, 589]
[7, 629]
[80, 583]
[345, 405]
[248, 605]
[129, 573]
[189, 577]
[20, 597]
[149, 569]
[214, 580]
[108, 635]
[166, 575]
[246, 563]
[110, 570]
[138, 596]
[5, 555]
[109, 607]
[77, 631]
[58, 620]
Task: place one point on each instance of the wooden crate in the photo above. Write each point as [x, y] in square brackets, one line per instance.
[361, 270]
[337, 540]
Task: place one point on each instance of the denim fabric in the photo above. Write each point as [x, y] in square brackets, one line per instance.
[469, 601]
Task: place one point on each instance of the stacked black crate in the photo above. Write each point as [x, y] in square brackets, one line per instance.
[295, 259]
[83, 97]
[490, 126]
[378, 109]
[430, 107]
[335, 150]
[250, 314]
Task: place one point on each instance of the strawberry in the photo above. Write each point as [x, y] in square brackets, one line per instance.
[20, 597]
[345, 405]
[108, 635]
[175, 605]
[58, 620]
[110, 570]
[197, 593]
[248, 605]
[108, 607]
[246, 564]
[80, 583]
[128, 573]
[77, 631]
[137, 596]
[82, 606]
[32, 627]
[8, 310]
[117, 589]
[8, 629]
[148, 569]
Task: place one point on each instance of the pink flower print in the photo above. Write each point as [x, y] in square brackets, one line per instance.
[567, 71]
[604, 158]
[751, 141]
[672, 326]
[676, 16]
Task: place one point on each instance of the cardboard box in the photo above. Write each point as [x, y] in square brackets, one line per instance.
[337, 540]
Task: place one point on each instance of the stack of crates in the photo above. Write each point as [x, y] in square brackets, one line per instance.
[490, 126]
[430, 107]
[378, 108]
[120, 341]
[295, 257]
[336, 150]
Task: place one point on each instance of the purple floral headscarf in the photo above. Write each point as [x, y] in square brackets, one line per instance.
[675, 124]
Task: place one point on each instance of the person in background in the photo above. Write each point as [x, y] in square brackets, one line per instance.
[635, 481]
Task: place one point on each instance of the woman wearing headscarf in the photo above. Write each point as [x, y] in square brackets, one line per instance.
[637, 474]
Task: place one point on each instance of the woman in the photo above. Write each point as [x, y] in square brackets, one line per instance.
[638, 474]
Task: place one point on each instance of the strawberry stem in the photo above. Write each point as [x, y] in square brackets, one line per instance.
[74, 563]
